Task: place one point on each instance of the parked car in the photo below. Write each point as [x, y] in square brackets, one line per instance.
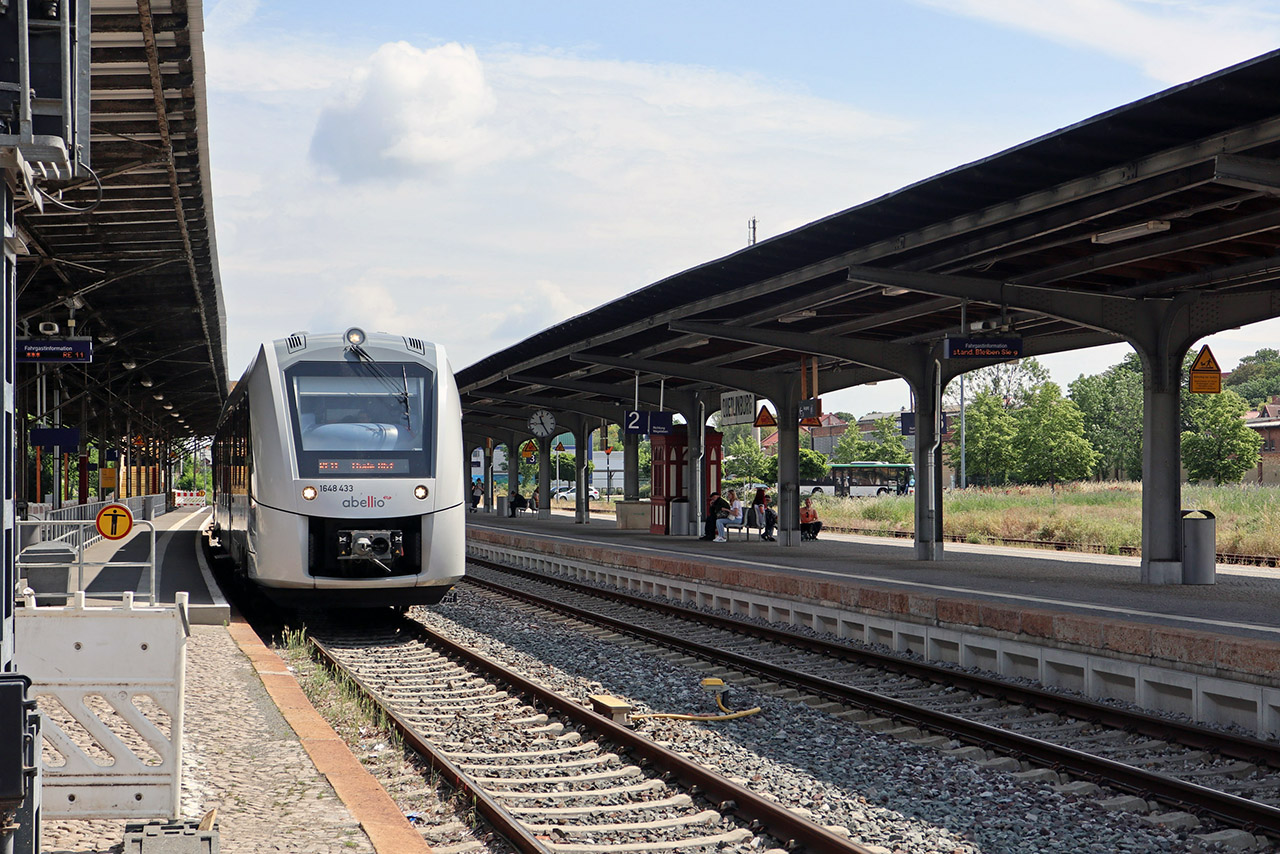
[571, 495]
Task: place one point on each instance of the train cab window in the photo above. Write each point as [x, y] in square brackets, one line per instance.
[363, 419]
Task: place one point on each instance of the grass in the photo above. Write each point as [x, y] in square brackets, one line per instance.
[1104, 517]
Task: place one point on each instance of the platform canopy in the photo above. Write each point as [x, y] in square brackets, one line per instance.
[1065, 241]
[138, 272]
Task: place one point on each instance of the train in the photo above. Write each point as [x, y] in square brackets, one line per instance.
[339, 478]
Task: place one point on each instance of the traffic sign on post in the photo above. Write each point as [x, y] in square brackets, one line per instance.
[1206, 375]
[115, 521]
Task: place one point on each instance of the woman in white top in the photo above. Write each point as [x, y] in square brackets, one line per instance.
[735, 517]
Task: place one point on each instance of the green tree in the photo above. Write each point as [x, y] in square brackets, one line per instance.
[813, 466]
[889, 444]
[1111, 403]
[1257, 377]
[852, 448]
[1221, 447]
[989, 431]
[745, 461]
[1049, 440]
[1010, 382]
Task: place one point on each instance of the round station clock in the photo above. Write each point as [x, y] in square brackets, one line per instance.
[542, 423]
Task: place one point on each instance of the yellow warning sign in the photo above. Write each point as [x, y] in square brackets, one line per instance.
[527, 450]
[1206, 376]
[764, 419]
[1205, 361]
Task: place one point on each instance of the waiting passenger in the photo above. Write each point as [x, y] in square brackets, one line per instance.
[732, 516]
[518, 502]
[766, 518]
[715, 504]
[809, 523]
[477, 493]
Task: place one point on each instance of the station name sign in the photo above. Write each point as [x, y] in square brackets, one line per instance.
[737, 407]
[984, 348]
[55, 350]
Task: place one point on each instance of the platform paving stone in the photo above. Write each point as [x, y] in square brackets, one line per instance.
[241, 758]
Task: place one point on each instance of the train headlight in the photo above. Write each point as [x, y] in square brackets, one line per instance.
[309, 493]
[354, 336]
[419, 492]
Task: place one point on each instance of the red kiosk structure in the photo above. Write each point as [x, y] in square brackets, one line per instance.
[670, 465]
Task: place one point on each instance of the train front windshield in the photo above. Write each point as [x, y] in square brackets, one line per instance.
[367, 419]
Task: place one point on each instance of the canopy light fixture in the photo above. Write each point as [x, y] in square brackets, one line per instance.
[1129, 232]
[793, 316]
[146, 382]
[129, 364]
[894, 292]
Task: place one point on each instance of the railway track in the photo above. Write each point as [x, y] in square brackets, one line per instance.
[547, 773]
[1216, 776]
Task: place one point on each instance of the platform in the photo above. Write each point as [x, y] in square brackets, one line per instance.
[180, 566]
[1244, 602]
[1078, 621]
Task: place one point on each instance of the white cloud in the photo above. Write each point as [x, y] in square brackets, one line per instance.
[408, 112]
[1170, 40]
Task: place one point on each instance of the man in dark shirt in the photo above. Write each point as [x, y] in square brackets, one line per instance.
[714, 506]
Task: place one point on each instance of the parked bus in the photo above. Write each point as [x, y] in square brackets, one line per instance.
[864, 479]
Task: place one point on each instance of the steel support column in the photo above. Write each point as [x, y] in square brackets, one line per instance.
[544, 477]
[787, 404]
[630, 467]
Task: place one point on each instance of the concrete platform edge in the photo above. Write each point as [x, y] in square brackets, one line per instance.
[387, 828]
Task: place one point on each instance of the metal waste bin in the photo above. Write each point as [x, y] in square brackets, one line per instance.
[502, 505]
[679, 526]
[1199, 547]
[47, 569]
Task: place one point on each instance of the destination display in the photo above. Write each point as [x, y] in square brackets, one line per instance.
[650, 422]
[61, 350]
[984, 348]
[392, 466]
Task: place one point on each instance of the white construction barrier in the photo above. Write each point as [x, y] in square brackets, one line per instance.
[109, 685]
[188, 498]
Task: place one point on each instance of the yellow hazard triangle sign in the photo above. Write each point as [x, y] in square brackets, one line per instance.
[765, 419]
[1205, 361]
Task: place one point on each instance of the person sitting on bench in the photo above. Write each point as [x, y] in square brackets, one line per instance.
[809, 523]
[517, 502]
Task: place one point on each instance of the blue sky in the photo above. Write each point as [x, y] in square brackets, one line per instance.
[473, 172]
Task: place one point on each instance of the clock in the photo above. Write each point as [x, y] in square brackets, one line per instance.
[542, 423]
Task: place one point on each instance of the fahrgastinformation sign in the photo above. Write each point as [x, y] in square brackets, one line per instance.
[984, 348]
[647, 421]
[58, 351]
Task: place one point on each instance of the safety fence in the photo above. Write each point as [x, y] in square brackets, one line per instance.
[109, 686]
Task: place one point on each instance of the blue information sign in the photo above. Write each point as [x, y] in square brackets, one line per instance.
[66, 438]
[642, 421]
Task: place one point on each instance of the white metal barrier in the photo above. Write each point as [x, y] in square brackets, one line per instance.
[76, 535]
[109, 683]
[188, 498]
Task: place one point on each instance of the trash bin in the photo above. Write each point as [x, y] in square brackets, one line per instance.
[47, 569]
[502, 505]
[679, 526]
[1199, 547]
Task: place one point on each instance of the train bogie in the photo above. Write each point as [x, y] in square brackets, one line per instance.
[338, 472]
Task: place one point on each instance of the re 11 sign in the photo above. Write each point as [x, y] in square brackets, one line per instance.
[55, 350]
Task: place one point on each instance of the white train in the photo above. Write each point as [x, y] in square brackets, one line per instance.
[338, 471]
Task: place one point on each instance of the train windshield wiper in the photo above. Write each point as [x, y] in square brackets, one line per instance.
[400, 394]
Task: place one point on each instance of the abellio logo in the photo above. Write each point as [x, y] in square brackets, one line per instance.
[367, 501]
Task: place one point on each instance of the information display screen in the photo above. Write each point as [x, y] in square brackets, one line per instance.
[388, 466]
